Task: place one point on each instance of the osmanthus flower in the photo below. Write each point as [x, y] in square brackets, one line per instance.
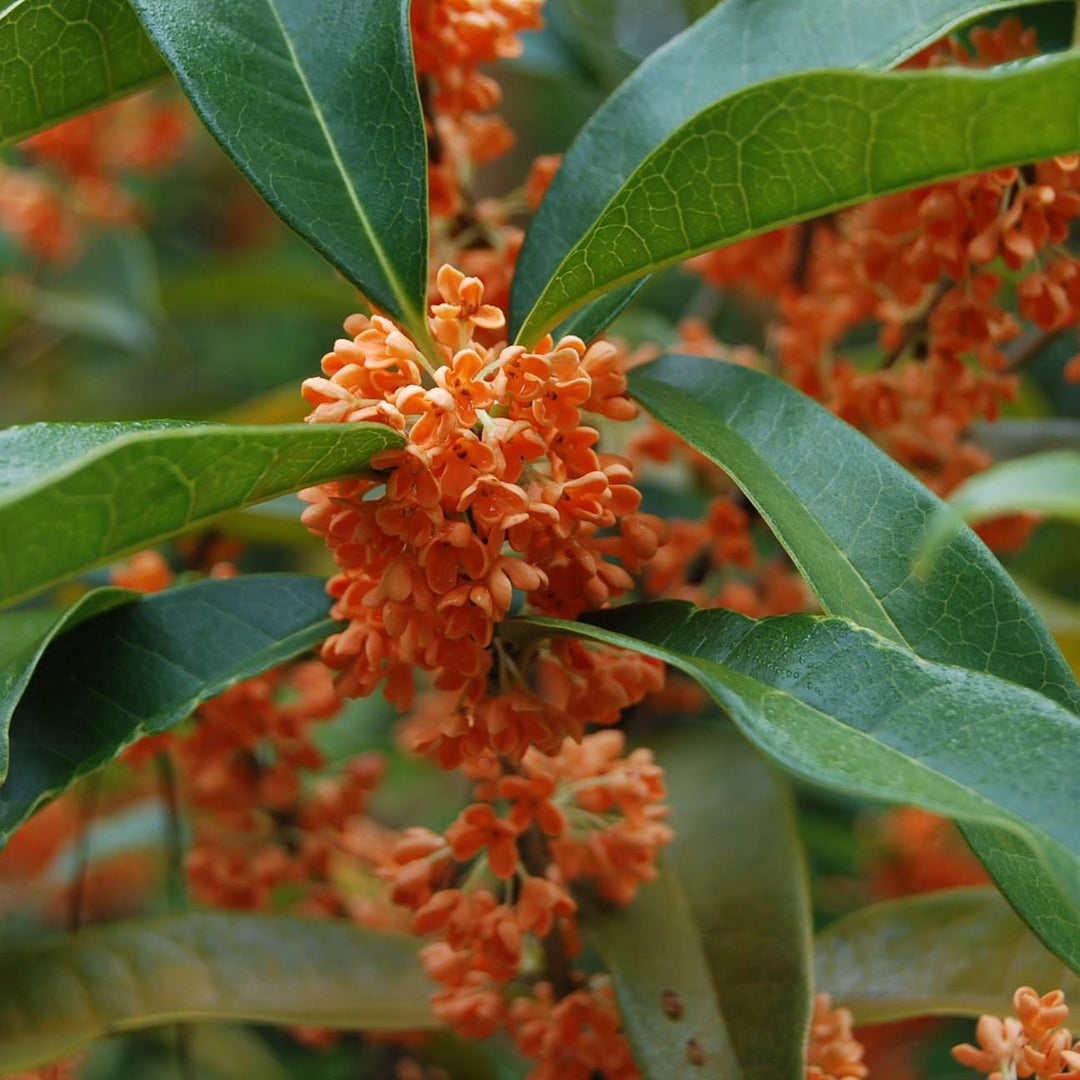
[500, 491]
[833, 1053]
[1032, 1043]
[495, 892]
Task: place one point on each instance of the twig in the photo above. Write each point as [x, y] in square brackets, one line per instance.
[88, 804]
[557, 965]
[1029, 348]
[917, 328]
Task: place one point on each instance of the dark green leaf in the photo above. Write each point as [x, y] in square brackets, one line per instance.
[654, 954]
[740, 43]
[738, 859]
[854, 522]
[60, 995]
[24, 637]
[73, 496]
[143, 667]
[316, 101]
[59, 58]
[957, 953]
[805, 145]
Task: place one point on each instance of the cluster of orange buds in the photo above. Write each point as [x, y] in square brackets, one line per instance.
[452, 39]
[500, 488]
[494, 888]
[923, 266]
[833, 1052]
[1032, 1043]
[73, 173]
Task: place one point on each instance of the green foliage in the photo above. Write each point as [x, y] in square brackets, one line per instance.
[747, 894]
[802, 146]
[956, 953]
[143, 667]
[680, 79]
[1043, 484]
[24, 637]
[73, 496]
[57, 996]
[662, 984]
[316, 102]
[792, 458]
[59, 58]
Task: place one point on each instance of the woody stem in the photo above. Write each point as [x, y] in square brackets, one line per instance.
[557, 964]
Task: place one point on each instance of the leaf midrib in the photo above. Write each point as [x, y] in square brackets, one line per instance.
[400, 294]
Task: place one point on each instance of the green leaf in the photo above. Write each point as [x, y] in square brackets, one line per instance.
[59, 58]
[957, 953]
[843, 707]
[805, 145]
[73, 496]
[739, 43]
[57, 996]
[654, 954]
[854, 522]
[143, 667]
[1044, 484]
[747, 894]
[24, 637]
[316, 101]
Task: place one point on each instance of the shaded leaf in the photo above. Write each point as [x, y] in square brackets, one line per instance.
[854, 522]
[806, 145]
[739, 861]
[956, 953]
[143, 667]
[59, 58]
[739, 43]
[24, 637]
[654, 954]
[57, 996]
[316, 101]
[73, 496]
[843, 707]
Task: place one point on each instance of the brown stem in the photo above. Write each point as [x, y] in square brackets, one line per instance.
[1029, 348]
[174, 830]
[916, 329]
[88, 805]
[558, 966]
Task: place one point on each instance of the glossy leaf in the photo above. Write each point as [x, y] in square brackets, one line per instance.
[666, 998]
[73, 496]
[24, 637]
[956, 953]
[143, 667]
[854, 522]
[739, 43]
[747, 891]
[277, 969]
[843, 707]
[59, 58]
[806, 145]
[316, 101]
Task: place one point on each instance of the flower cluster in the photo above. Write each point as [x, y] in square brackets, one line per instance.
[499, 878]
[73, 173]
[833, 1053]
[1030, 1044]
[932, 268]
[500, 488]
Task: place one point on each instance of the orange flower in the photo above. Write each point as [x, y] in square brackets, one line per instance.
[477, 827]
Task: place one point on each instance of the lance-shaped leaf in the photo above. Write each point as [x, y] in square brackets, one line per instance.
[666, 998]
[843, 707]
[737, 856]
[59, 58]
[961, 952]
[24, 637]
[73, 496]
[805, 145]
[739, 43]
[855, 522]
[143, 667]
[57, 996]
[316, 101]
